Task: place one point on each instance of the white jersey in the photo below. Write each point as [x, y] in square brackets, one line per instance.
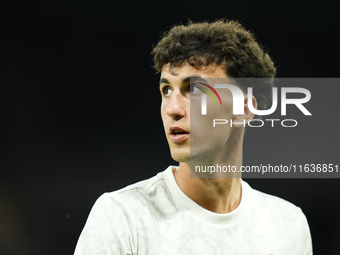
[155, 217]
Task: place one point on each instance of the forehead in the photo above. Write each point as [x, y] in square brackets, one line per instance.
[185, 70]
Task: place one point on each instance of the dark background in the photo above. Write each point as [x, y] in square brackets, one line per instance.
[80, 108]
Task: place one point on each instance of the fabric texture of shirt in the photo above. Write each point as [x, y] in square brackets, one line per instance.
[155, 217]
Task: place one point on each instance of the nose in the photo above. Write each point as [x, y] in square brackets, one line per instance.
[176, 108]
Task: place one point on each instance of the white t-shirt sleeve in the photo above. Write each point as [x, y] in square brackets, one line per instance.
[107, 230]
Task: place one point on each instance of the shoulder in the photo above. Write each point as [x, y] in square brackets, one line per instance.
[111, 227]
[147, 195]
[276, 211]
[279, 212]
[282, 218]
[271, 203]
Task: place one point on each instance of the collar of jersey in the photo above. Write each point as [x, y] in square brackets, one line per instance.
[185, 202]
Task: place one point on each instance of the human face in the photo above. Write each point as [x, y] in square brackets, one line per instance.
[175, 111]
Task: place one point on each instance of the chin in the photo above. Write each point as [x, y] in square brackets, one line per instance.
[181, 156]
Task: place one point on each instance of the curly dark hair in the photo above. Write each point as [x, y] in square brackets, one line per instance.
[222, 42]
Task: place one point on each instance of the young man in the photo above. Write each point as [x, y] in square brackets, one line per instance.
[172, 213]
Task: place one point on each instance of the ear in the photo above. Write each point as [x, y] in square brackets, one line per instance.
[239, 120]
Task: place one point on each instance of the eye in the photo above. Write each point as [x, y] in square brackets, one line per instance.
[167, 91]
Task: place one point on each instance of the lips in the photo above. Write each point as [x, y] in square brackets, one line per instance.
[178, 134]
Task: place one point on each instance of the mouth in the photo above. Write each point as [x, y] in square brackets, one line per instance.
[178, 134]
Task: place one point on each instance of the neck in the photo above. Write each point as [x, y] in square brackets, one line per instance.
[219, 195]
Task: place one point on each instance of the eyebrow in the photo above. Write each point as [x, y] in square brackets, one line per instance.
[185, 80]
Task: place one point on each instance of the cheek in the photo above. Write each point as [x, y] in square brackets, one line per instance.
[163, 111]
[205, 130]
[164, 117]
[224, 111]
